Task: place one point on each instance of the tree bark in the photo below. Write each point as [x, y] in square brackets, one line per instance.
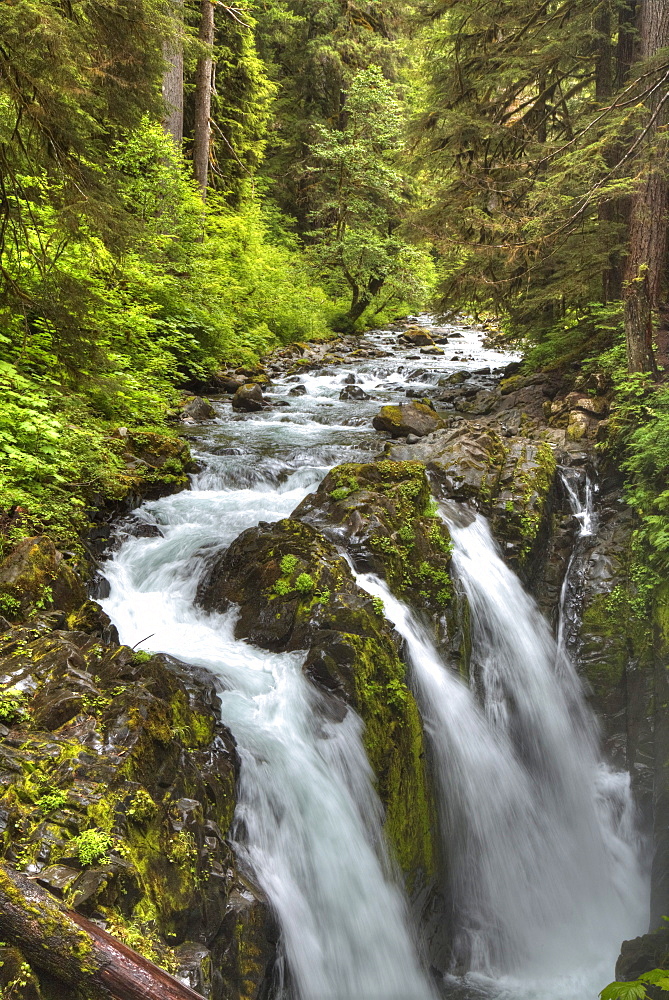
[76, 951]
[648, 223]
[203, 91]
[173, 80]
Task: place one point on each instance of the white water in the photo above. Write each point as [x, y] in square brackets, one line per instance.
[529, 842]
[540, 837]
[308, 819]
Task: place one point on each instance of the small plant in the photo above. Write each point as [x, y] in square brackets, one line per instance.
[288, 564]
[379, 606]
[93, 846]
[432, 509]
[304, 583]
[142, 806]
[341, 493]
[51, 801]
[657, 978]
[324, 597]
[282, 587]
[407, 534]
[141, 656]
[12, 707]
[9, 606]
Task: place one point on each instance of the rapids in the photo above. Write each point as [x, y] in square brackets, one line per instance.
[547, 881]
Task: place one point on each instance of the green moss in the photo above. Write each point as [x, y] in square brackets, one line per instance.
[394, 743]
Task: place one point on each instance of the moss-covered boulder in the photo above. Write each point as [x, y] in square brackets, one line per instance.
[294, 591]
[117, 790]
[387, 514]
[408, 418]
[510, 479]
[37, 576]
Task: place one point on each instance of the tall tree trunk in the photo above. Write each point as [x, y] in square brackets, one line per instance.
[648, 223]
[173, 79]
[203, 90]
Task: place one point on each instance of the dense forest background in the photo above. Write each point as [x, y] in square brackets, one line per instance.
[184, 186]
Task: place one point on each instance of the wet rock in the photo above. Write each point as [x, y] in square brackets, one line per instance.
[384, 511]
[298, 390]
[480, 402]
[294, 592]
[198, 409]
[417, 337]
[230, 383]
[353, 392]
[408, 418]
[643, 954]
[248, 398]
[146, 764]
[36, 575]
[432, 351]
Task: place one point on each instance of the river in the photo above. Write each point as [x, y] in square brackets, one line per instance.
[549, 879]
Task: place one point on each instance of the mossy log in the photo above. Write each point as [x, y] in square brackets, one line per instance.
[76, 951]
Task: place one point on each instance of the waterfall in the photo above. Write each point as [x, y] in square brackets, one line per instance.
[580, 491]
[308, 821]
[539, 837]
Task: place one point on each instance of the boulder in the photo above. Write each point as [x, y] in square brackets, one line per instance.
[36, 575]
[386, 513]
[353, 392]
[248, 398]
[129, 747]
[432, 351]
[230, 383]
[198, 409]
[408, 418]
[295, 592]
[298, 390]
[416, 337]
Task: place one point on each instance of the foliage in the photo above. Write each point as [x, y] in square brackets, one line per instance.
[12, 706]
[92, 846]
[361, 196]
[524, 145]
[658, 978]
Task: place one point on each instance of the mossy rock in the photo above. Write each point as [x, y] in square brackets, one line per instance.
[295, 592]
[130, 748]
[392, 527]
[37, 576]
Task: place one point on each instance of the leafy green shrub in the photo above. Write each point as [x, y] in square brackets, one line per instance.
[51, 801]
[92, 846]
[658, 978]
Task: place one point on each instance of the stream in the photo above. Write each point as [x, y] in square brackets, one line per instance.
[548, 879]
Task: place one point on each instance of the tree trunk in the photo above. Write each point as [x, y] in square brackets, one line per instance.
[76, 951]
[648, 223]
[203, 91]
[173, 80]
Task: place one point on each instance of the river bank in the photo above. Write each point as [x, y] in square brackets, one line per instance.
[496, 446]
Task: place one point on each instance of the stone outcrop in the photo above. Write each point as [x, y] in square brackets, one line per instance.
[248, 398]
[117, 790]
[294, 592]
[408, 418]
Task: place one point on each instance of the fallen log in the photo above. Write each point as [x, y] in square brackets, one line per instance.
[76, 951]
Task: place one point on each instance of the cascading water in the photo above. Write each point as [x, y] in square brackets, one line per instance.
[540, 838]
[580, 490]
[308, 820]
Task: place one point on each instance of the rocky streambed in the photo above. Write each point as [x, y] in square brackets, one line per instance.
[249, 858]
